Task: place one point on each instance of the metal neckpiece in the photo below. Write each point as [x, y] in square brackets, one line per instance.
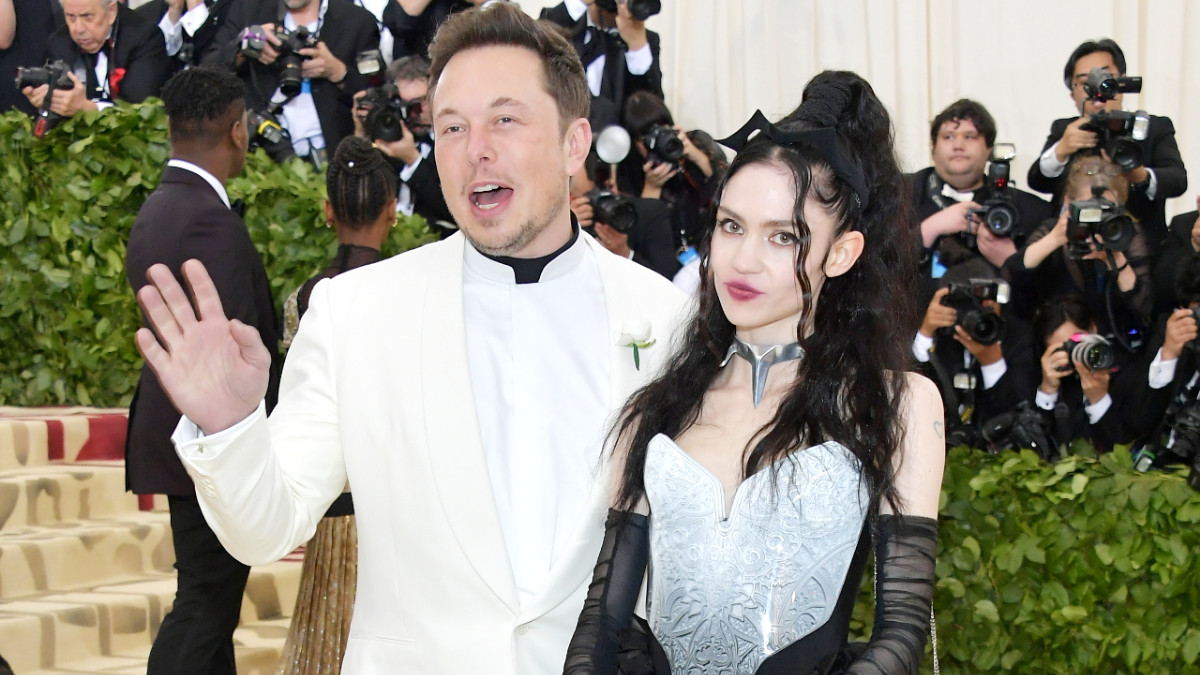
[761, 358]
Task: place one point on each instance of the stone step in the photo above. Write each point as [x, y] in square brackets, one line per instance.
[63, 492]
[73, 556]
[109, 629]
[37, 436]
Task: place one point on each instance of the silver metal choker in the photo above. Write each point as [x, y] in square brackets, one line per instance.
[761, 358]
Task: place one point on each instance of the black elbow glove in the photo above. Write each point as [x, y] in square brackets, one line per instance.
[608, 608]
[905, 551]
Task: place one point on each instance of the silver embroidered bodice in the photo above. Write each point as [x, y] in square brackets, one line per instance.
[728, 590]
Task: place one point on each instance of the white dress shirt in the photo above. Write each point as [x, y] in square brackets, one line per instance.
[637, 61]
[542, 411]
[189, 22]
[208, 177]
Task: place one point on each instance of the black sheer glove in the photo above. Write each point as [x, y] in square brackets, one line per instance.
[905, 551]
[616, 582]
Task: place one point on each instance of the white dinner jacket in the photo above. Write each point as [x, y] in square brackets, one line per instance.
[376, 391]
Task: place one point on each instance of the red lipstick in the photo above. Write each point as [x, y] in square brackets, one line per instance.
[741, 291]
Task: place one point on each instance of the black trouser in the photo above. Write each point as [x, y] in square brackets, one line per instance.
[197, 635]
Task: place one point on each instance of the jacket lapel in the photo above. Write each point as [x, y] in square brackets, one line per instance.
[455, 447]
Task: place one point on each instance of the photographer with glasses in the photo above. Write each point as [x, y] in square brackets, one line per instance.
[1095, 76]
[299, 60]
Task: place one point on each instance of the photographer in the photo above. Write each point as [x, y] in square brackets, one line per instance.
[412, 23]
[396, 119]
[1065, 256]
[1159, 176]
[631, 227]
[110, 53]
[618, 53]
[1183, 243]
[188, 26]
[982, 361]
[1081, 394]
[961, 141]
[683, 169]
[299, 57]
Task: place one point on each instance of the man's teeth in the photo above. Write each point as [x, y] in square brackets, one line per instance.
[487, 188]
[487, 207]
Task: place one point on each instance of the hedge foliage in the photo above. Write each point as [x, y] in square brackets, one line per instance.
[1080, 566]
[67, 202]
[1083, 566]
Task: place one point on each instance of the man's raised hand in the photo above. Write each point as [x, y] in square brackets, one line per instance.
[214, 370]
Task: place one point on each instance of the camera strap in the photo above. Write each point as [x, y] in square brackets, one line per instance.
[949, 394]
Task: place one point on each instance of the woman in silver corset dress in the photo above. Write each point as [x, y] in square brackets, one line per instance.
[784, 438]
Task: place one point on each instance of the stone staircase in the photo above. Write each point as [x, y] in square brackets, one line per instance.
[86, 568]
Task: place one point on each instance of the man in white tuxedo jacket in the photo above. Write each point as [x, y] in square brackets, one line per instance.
[462, 389]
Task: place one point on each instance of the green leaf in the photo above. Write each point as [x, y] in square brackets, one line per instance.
[79, 145]
[1074, 613]
[1078, 483]
[986, 609]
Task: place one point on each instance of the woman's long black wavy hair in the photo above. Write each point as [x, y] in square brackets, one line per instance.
[849, 384]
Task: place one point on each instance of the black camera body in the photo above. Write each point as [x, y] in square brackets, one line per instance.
[253, 40]
[389, 114]
[268, 134]
[1101, 85]
[663, 144]
[1094, 351]
[53, 74]
[1185, 440]
[1098, 224]
[613, 209]
[1018, 429]
[639, 9]
[999, 213]
[1118, 132]
[983, 324]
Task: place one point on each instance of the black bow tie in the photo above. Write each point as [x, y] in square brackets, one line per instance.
[238, 206]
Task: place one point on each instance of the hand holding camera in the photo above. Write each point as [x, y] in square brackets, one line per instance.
[320, 63]
[1181, 330]
[1076, 137]
[938, 314]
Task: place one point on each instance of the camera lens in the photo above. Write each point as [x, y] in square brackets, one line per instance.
[984, 326]
[1125, 153]
[290, 77]
[1117, 232]
[1000, 220]
[1094, 353]
[384, 123]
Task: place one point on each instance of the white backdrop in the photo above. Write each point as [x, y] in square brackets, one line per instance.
[722, 59]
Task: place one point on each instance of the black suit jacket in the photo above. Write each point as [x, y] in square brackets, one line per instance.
[1020, 379]
[1162, 155]
[617, 83]
[651, 240]
[1172, 258]
[37, 21]
[347, 30]
[198, 43]
[138, 48]
[413, 34]
[209, 231]
[428, 200]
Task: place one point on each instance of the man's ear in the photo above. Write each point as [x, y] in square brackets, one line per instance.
[577, 143]
[239, 133]
[844, 253]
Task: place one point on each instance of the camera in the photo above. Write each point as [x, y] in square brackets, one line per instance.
[1101, 85]
[1118, 132]
[53, 74]
[1184, 440]
[1095, 352]
[612, 209]
[983, 324]
[371, 65]
[389, 113]
[999, 213]
[268, 134]
[663, 144]
[1018, 429]
[253, 40]
[638, 9]
[1098, 224]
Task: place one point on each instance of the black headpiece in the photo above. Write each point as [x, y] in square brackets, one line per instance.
[823, 140]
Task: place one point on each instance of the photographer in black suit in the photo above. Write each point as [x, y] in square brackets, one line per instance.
[643, 235]
[620, 55]
[419, 190]
[188, 26]
[113, 53]
[1161, 174]
[982, 359]
[318, 115]
[961, 140]
[187, 217]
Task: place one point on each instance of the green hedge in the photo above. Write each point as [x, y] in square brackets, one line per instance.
[67, 202]
[1081, 566]
[1084, 566]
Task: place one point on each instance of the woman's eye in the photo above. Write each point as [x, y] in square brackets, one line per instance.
[784, 238]
[729, 227]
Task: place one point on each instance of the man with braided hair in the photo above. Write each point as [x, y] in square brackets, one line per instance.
[206, 122]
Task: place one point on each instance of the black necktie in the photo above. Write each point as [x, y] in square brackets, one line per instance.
[90, 81]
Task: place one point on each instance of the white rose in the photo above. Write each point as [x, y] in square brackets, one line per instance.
[634, 331]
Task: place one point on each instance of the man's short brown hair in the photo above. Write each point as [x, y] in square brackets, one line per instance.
[505, 24]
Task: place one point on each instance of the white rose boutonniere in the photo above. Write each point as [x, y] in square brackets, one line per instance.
[636, 333]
